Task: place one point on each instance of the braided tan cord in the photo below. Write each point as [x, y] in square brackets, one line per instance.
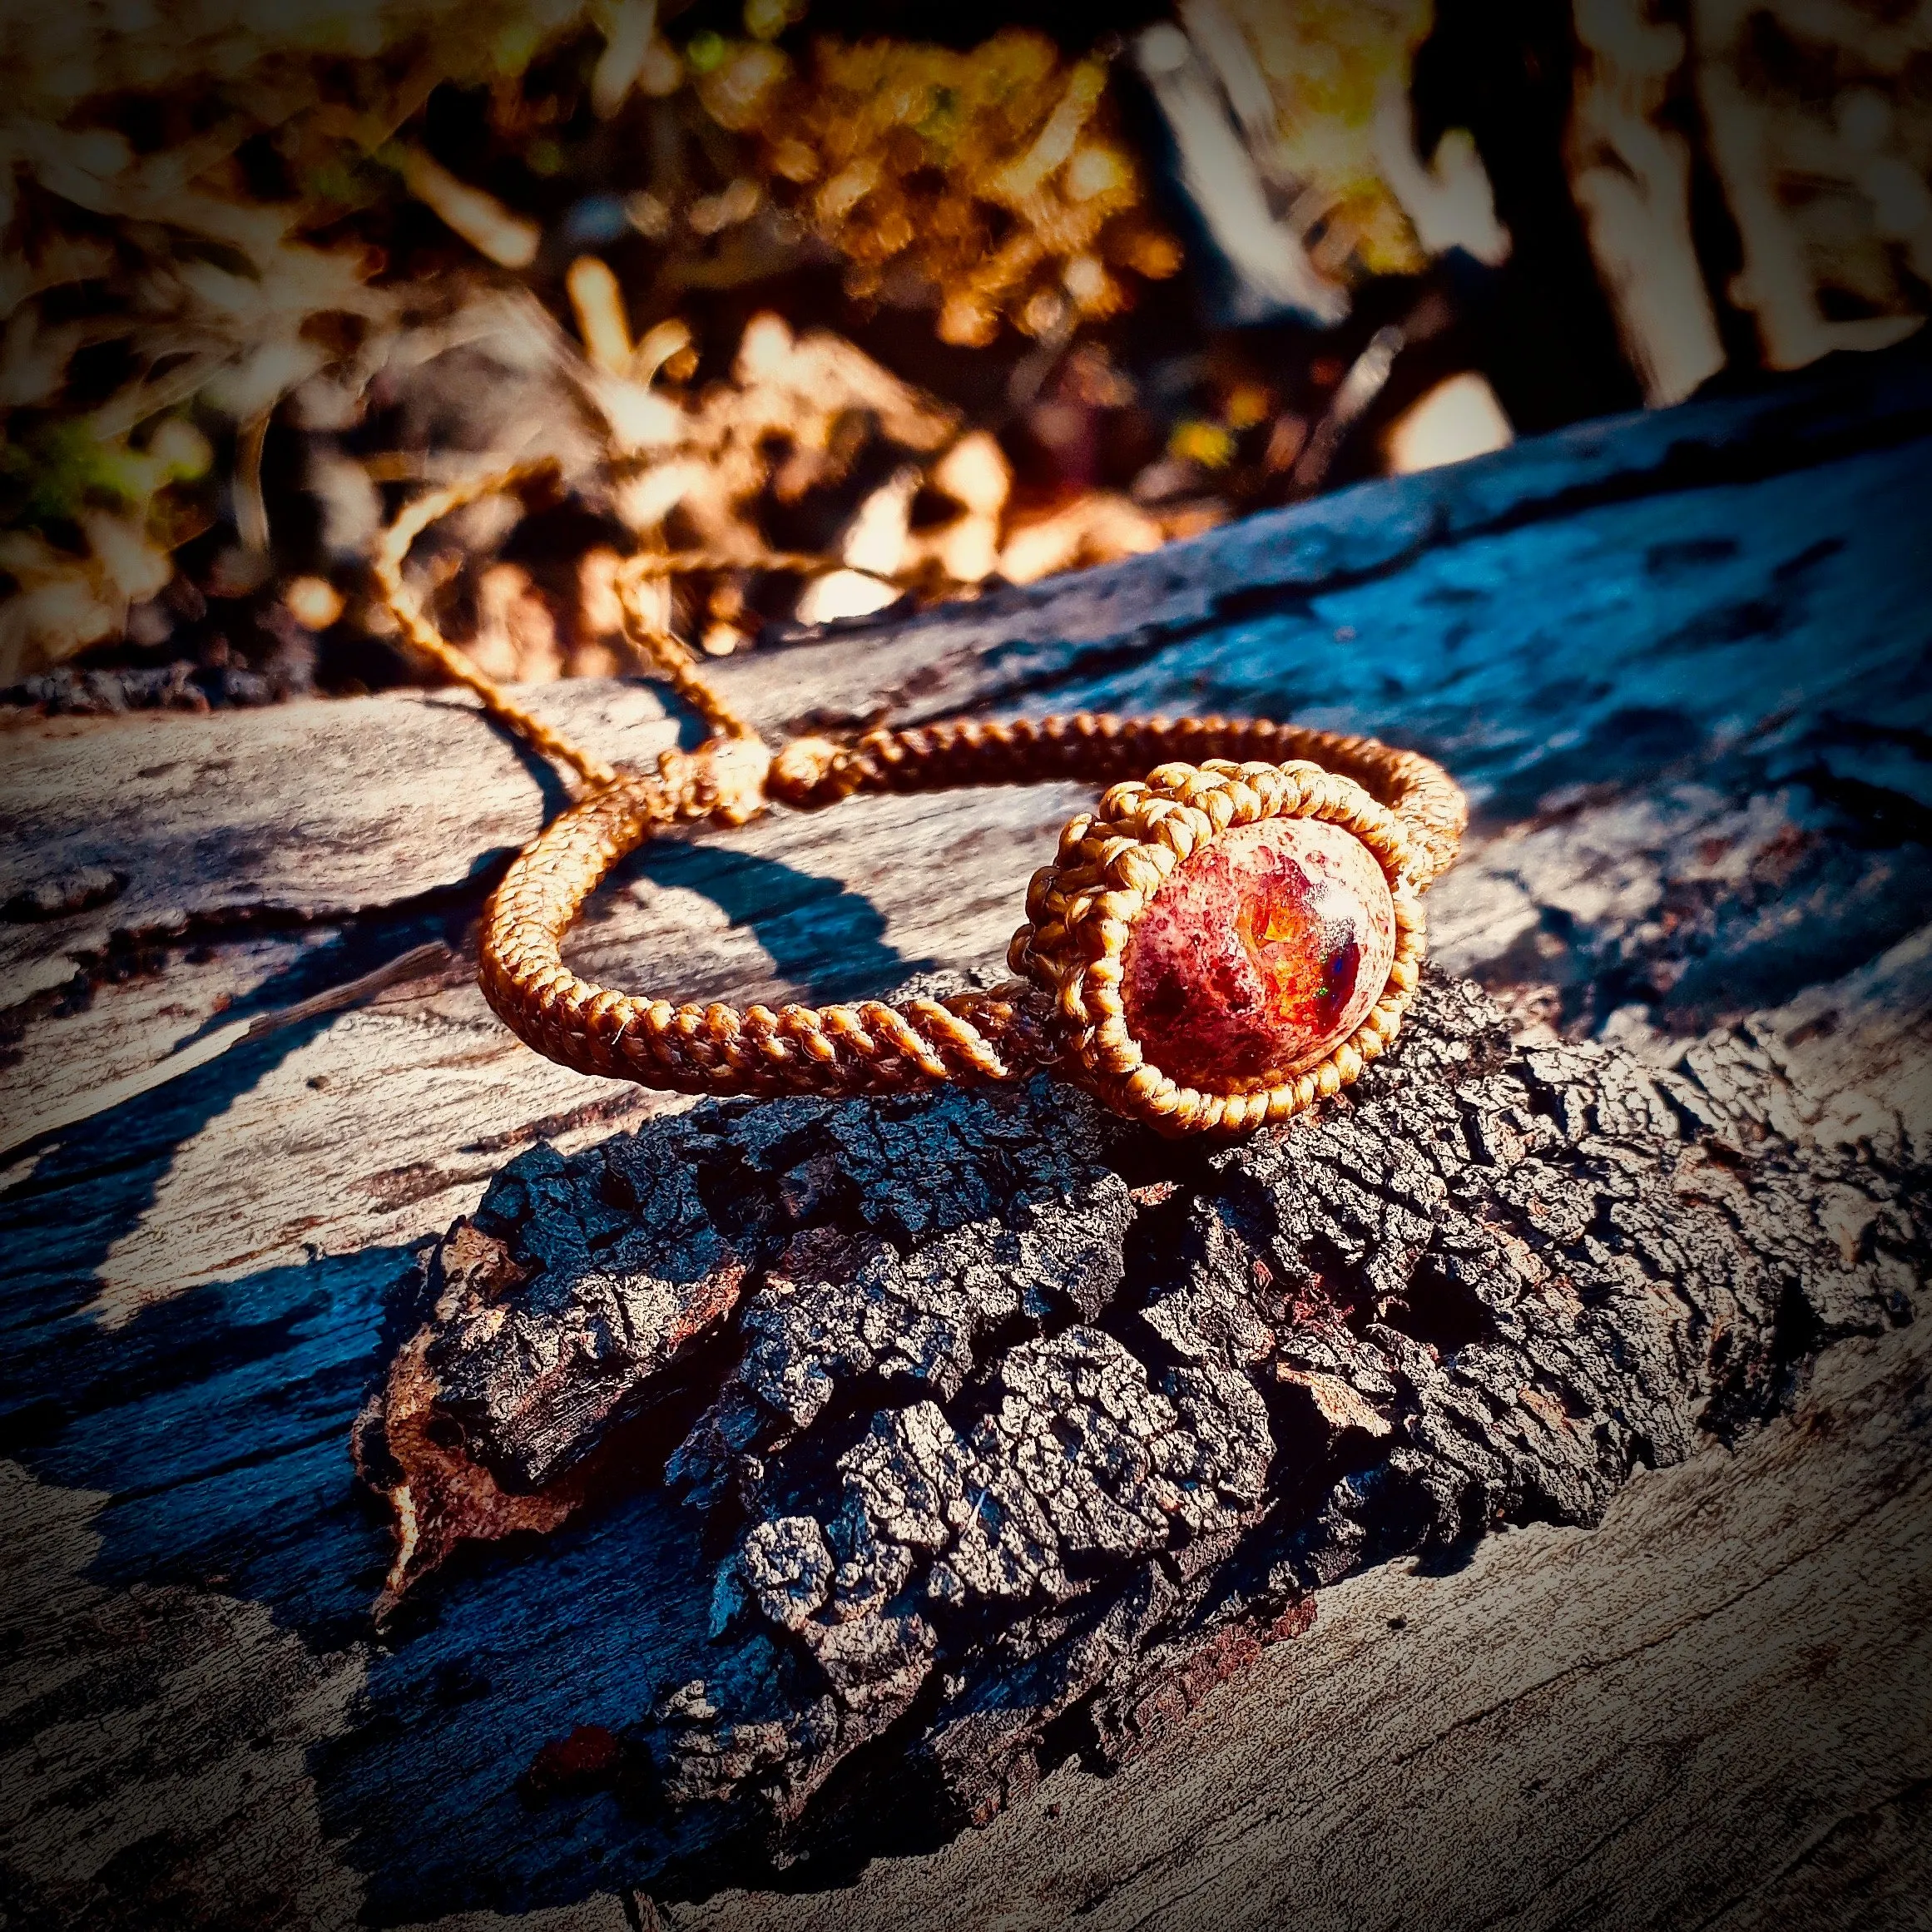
[864, 1048]
[415, 517]
[656, 563]
[661, 651]
[665, 654]
[1101, 748]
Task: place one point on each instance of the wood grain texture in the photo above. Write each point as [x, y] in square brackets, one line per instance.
[1681, 663]
[1708, 1710]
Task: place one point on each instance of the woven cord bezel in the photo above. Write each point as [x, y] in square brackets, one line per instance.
[1081, 911]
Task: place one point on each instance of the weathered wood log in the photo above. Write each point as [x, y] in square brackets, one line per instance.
[1681, 663]
[1029, 1426]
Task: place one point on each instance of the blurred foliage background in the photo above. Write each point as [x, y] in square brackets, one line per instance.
[944, 298]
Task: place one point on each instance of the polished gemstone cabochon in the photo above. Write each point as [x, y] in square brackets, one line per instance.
[1261, 953]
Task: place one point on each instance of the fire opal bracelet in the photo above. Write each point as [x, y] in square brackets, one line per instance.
[1217, 943]
[1213, 946]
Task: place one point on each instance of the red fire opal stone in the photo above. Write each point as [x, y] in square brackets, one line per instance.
[1261, 953]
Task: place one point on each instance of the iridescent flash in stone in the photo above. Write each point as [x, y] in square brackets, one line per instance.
[1260, 953]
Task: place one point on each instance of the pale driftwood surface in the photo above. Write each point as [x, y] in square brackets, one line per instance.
[1681, 663]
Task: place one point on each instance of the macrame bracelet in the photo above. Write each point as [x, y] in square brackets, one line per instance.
[1131, 868]
[1233, 930]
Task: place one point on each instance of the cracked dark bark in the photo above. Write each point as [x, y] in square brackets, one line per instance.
[1014, 1429]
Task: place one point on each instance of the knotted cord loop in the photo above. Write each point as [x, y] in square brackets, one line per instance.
[1220, 769]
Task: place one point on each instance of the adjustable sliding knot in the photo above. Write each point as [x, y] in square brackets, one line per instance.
[724, 781]
[731, 780]
[809, 772]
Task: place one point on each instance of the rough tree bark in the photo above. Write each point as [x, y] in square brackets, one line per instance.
[1024, 1429]
[1002, 1436]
